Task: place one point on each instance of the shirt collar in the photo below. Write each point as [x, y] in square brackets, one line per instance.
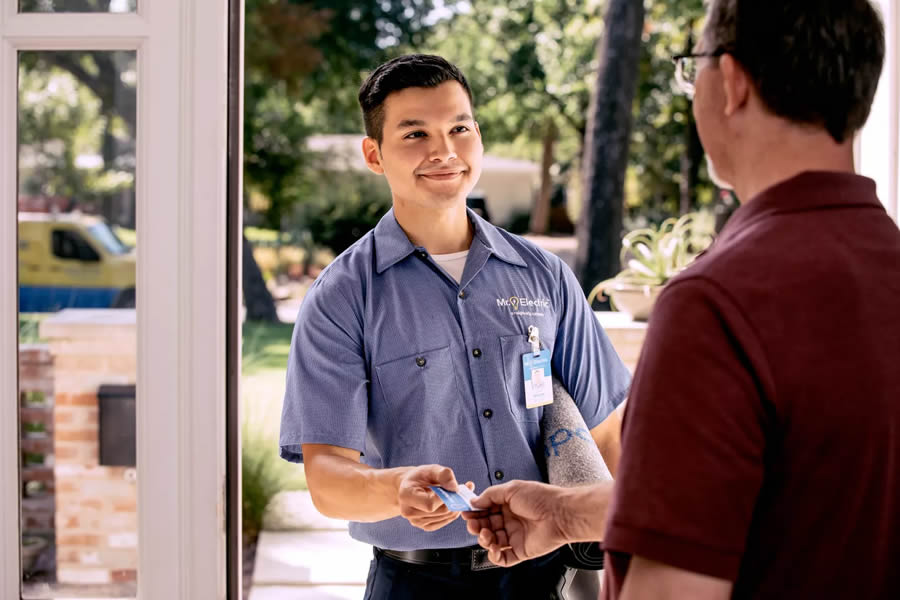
[392, 245]
[810, 190]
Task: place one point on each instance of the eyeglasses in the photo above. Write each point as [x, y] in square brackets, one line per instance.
[686, 68]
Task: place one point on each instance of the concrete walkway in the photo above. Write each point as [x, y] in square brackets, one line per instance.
[302, 555]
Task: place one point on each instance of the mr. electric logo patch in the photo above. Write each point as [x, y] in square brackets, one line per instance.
[526, 307]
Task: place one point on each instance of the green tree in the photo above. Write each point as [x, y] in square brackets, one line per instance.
[76, 104]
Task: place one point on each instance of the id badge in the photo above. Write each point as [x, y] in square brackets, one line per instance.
[538, 380]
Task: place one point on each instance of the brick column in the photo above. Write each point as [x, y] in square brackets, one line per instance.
[96, 506]
[36, 418]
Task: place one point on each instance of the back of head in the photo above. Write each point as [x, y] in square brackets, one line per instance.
[411, 70]
[816, 62]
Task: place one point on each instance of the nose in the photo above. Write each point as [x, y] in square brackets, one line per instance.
[441, 149]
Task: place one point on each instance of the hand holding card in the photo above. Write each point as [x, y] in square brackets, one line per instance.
[458, 501]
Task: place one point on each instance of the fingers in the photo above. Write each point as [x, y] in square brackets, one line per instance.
[427, 475]
[431, 523]
[497, 495]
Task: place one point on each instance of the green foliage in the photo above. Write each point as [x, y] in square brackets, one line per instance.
[344, 207]
[29, 327]
[265, 346]
[663, 121]
[62, 119]
[263, 474]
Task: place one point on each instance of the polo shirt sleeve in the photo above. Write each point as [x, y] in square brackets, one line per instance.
[583, 357]
[326, 392]
[693, 436]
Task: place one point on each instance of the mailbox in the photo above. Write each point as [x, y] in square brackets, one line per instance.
[117, 425]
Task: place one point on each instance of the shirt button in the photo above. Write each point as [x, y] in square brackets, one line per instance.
[488, 413]
[462, 294]
[421, 361]
[476, 353]
[498, 475]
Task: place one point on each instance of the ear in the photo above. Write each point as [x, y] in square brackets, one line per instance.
[735, 84]
[477, 129]
[372, 154]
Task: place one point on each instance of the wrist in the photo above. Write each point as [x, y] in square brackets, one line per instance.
[582, 512]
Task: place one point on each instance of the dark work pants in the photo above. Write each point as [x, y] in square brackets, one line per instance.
[391, 579]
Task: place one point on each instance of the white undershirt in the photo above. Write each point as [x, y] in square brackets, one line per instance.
[454, 263]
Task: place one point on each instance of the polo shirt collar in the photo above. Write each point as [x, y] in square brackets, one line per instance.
[810, 190]
[392, 245]
[491, 238]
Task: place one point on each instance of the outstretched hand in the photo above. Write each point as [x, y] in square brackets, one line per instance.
[419, 504]
[522, 520]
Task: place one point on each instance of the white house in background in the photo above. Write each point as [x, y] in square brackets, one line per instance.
[508, 185]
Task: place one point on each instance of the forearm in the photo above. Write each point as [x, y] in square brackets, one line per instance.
[342, 488]
[582, 511]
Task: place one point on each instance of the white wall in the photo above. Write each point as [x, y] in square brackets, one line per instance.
[878, 146]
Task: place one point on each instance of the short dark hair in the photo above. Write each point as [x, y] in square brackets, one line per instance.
[816, 63]
[411, 70]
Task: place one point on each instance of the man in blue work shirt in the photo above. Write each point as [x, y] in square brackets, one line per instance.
[406, 365]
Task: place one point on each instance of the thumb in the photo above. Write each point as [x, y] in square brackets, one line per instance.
[446, 479]
[495, 495]
[437, 475]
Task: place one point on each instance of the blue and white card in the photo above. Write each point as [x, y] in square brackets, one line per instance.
[538, 379]
[458, 501]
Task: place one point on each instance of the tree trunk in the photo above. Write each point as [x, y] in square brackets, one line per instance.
[606, 143]
[693, 150]
[257, 298]
[540, 216]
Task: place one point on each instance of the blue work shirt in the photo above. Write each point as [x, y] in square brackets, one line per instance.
[392, 357]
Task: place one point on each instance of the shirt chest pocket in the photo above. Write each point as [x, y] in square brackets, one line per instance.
[420, 395]
[512, 348]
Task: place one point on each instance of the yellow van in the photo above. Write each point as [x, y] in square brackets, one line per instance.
[72, 261]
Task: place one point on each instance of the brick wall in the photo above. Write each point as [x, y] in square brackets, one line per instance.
[96, 506]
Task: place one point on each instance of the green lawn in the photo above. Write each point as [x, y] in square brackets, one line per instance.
[263, 361]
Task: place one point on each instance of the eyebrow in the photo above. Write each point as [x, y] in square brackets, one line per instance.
[461, 117]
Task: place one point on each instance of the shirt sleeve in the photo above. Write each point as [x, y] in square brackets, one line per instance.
[583, 357]
[693, 436]
[326, 392]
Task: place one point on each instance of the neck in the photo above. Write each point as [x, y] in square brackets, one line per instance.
[786, 153]
[441, 231]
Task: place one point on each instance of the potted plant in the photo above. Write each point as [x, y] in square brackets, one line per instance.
[652, 256]
[34, 430]
[32, 546]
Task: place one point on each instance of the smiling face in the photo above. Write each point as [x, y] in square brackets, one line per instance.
[431, 148]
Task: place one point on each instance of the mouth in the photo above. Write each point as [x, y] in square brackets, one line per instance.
[442, 175]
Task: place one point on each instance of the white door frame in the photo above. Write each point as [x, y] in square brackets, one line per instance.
[878, 145]
[182, 48]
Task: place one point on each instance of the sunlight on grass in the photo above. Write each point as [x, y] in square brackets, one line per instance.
[264, 474]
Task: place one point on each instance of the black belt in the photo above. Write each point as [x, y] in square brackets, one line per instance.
[474, 557]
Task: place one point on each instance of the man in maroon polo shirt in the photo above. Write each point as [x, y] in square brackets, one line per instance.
[761, 444]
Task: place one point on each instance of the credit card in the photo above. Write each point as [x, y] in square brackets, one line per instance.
[456, 501]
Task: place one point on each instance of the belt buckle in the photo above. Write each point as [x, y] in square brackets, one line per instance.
[480, 560]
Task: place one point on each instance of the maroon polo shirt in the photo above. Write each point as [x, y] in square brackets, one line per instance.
[761, 443]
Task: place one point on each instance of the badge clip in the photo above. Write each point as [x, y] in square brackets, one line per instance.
[534, 340]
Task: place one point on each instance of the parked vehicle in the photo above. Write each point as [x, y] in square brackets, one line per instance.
[72, 261]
